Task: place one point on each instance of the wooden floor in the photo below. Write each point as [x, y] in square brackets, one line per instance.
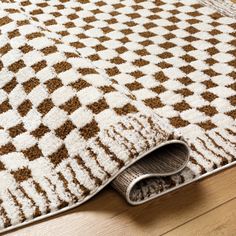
[207, 207]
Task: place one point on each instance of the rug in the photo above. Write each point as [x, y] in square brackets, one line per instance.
[136, 93]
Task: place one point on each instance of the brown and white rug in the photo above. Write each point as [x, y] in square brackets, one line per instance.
[138, 92]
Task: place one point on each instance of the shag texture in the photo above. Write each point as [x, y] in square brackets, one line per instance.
[89, 87]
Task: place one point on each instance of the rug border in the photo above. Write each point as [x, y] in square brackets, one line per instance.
[18, 226]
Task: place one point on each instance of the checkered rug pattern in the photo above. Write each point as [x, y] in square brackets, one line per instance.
[88, 86]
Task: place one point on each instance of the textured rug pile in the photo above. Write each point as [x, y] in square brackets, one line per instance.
[137, 93]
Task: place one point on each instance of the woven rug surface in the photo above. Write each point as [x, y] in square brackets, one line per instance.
[137, 93]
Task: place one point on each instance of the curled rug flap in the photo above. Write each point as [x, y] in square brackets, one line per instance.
[167, 159]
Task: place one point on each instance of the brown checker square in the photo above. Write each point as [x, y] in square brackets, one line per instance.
[167, 45]
[140, 62]
[147, 34]
[160, 76]
[80, 84]
[121, 50]
[171, 27]
[164, 65]
[185, 92]
[50, 22]
[209, 84]
[26, 48]
[48, 50]
[33, 35]
[212, 51]
[99, 47]
[159, 89]
[16, 130]
[126, 109]
[181, 106]
[188, 58]
[22, 174]
[178, 122]
[107, 89]
[142, 52]
[30, 84]
[134, 15]
[24, 107]
[107, 29]
[39, 66]
[191, 30]
[137, 74]
[71, 105]
[188, 48]
[194, 13]
[62, 66]
[56, 14]
[5, 106]
[33, 153]
[72, 16]
[103, 38]
[185, 81]
[36, 12]
[154, 102]
[124, 40]
[5, 20]
[89, 19]
[210, 72]
[214, 32]
[113, 71]
[207, 125]
[193, 21]
[208, 110]
[23, 22]
[117, 60]
[65, 129]
[232, 63]
[216, 15]
[53, 84]
[2, 167]
[149, 25]
[213, 41]
[173, 19]
[191, 39]
[40, 131]
[209, 96]
[98, 106]
[58, 156]
[87, 71]
[7, 148]
[90, 130]
[10, 85]
[5, 49]
[134, 86]
[165, 55]
[94, 57]
[73, 44]
[169, 36]
[210, 61]
[187, 69]
[69, 25]
[16, 66]
[1, 65]
[232, 114]
[45, 106]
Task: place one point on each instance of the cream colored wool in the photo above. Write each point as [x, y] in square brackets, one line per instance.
[89, 87]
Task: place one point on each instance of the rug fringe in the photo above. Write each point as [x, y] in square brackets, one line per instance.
[225, 7]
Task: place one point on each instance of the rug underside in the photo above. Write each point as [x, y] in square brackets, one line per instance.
[139, 93]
